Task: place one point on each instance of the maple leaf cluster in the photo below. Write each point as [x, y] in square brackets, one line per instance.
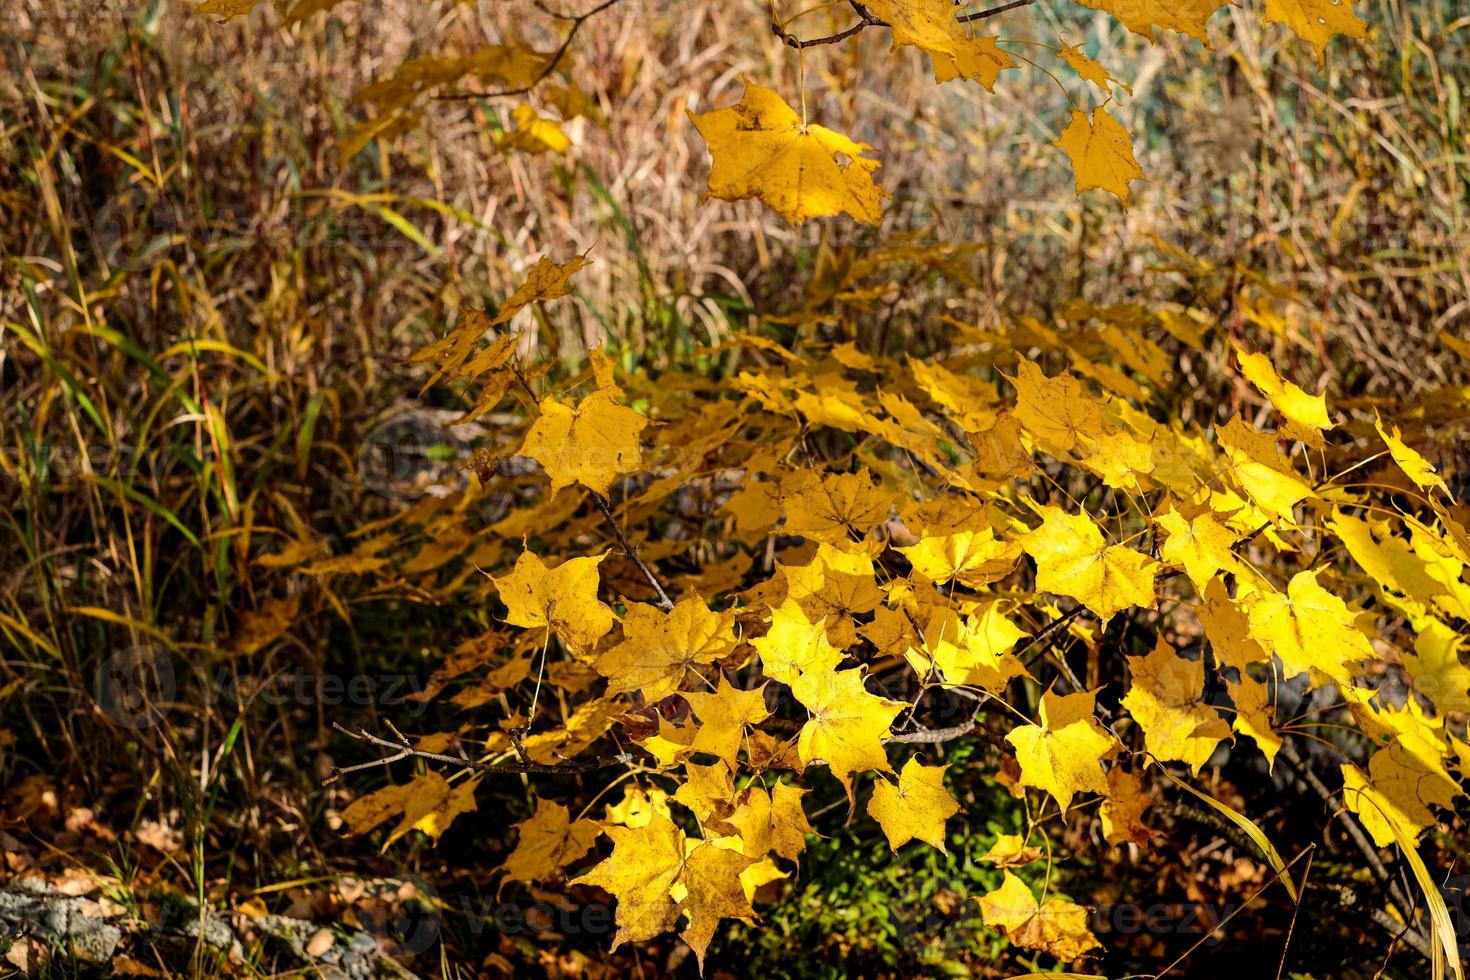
[749, 679]
[892, 531]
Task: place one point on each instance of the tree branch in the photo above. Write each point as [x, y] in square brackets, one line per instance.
[576, 20]
[664, 602]
[868, 20]
[993, 11]
[405, 750]
[865, 21]
[1350, 824]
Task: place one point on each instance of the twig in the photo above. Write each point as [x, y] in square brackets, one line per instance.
[1046, 633]
[934, 736]
[1221, 924]
[993, 11]
[1410, 933]
[919, 736]
[577, 20]
[1347, 897]
[1295, 911]
[664, 602]
[865, 21]
[868, 20]
[406, 751]
[1349, 824]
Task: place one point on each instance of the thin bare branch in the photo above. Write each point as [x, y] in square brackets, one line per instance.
[576, 20]
[993, 11]
[664, 602]
[868, 20]
[404, 750]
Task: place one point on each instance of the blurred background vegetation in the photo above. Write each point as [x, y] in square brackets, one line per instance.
[206, 319]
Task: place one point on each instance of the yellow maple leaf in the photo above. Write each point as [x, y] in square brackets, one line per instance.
[548, 841]
[1102, 153]
[772, 822]
[1061, 412]
[1059, 927]
[547, 280]
[660, 650]
[563, 598]
[794, 644]
[367, 812]
[1063, 755]
[972, 558]
[1309, 628]
[670, 745]
[847, 725]
[1399, 788]
[1420, 734]
[1306, 415]
[836, 508]
[1090, 69]
[1260, 469]
[651, 864]
[1145, 16]
[1393, 563]
[1415, 466]
[970, 650]
[723, 716]
[999, 451]
[1317, 21]
[516, 65]
[1455, 520]
[1011, 851]
[708, 896]
[459, 353]
[1436, 668]
[259, 628]
[1201, 544]
[1121, 460]
[1254, 714]
[426, 803]
[1073, 559]
[756, 507]
[593, 443]
[834, 586]
[534, 133]
[1166, 699]
[637, 806]
[914, 809]
[709, 793]
[932, 26]
[433, 819]
[762, 149]
[588, 723]
[1122, 811]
